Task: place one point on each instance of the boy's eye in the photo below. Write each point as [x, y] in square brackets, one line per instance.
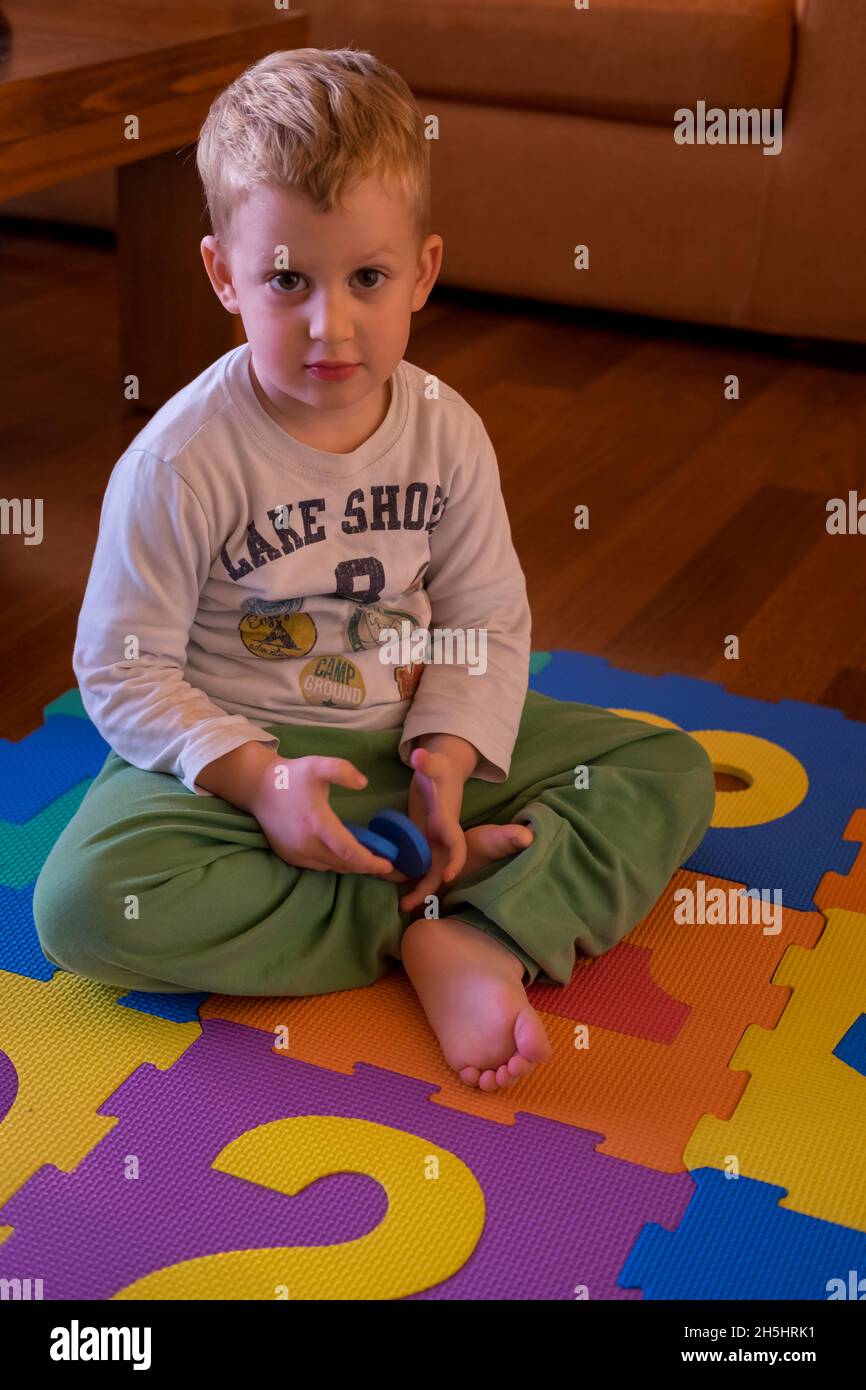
[368, 270]
[285, 275]
[294, 275]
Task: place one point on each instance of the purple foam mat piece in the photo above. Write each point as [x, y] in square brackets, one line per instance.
[558, 1214]
[8, 1084]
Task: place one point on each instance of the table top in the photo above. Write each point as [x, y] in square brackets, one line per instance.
[54, 36]
[71, 71]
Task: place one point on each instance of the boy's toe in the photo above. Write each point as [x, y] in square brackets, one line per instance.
[519, 1066]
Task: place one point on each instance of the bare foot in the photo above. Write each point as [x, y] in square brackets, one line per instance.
[485, 843]
[470, 987]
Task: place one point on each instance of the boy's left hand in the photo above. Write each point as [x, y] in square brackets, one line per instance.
[435, 802]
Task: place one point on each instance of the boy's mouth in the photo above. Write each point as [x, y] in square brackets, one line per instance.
[331, 371]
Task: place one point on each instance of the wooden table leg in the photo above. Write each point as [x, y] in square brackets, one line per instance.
[172, 325]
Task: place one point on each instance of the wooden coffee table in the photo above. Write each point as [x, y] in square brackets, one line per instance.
[72, 73]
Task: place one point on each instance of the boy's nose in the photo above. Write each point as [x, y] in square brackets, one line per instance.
[331, 325]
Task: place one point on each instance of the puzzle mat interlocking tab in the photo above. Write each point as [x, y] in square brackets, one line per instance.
[198, 1146]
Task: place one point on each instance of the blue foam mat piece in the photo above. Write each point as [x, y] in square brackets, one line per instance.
[791, 853]
[20, 952]
[176, 1008]
[736, 1242]
[851, 1049]
[41, 767]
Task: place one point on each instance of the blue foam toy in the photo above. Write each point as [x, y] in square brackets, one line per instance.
[396, 838]
[413, 852]
[376, 844]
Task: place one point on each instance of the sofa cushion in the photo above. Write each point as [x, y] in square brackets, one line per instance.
[635, 59]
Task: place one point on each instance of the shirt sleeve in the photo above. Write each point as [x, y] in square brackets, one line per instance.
[152, 558]
[474, 581]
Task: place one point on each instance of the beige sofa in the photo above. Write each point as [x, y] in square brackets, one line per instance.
[557, 130]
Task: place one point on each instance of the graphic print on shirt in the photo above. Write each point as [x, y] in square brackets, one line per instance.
[385, 515]
[368, 621]
[276, 629]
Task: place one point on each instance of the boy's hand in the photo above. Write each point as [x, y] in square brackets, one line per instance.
[297, 819]
[435, 802]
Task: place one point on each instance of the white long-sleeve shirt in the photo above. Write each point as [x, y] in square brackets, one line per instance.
[241, 578]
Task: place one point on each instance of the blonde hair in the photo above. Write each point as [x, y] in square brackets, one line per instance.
[314, 120]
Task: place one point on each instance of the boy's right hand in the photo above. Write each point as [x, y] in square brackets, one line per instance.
[294, 812]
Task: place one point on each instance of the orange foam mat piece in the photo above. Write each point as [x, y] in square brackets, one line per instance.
[847, 890]
[645, 1097]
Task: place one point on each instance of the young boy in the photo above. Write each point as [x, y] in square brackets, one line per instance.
[305, 495]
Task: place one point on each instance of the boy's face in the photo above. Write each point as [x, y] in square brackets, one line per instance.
[354, 277]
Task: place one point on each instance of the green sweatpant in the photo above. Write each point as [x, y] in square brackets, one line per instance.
[151, 887]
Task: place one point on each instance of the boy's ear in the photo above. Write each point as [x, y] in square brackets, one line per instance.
[429, 265]
[219, 273]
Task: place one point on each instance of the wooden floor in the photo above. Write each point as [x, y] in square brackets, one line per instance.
[707, 516]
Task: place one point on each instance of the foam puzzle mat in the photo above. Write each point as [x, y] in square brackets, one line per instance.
[708, 1144]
